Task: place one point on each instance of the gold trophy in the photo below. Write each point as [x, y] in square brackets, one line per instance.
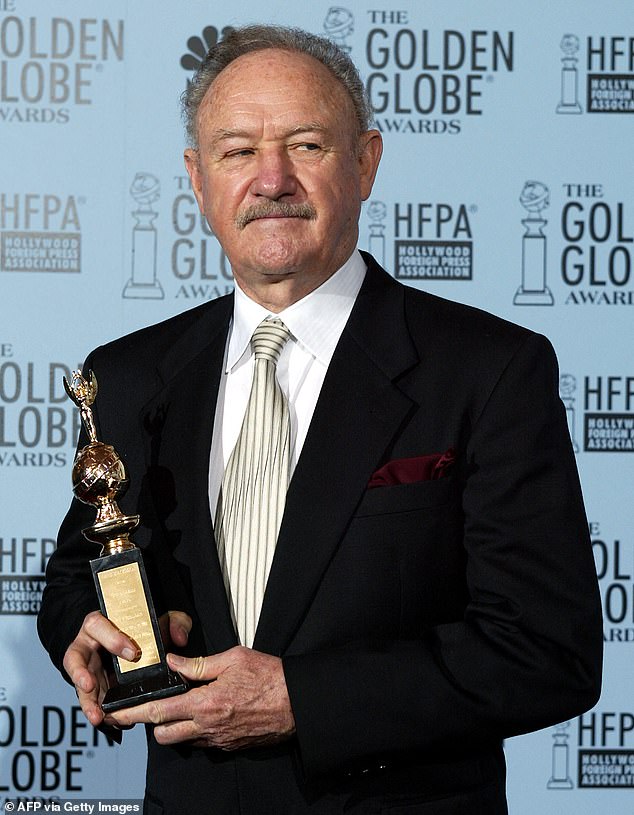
[99, 476]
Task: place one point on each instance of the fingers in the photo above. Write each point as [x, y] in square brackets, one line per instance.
[90, 688]
[98, 631]
[175, 732]
[199, 669]
[161, 711]
[180, 624]
[82, 661]
[167, 732]
[175, 627]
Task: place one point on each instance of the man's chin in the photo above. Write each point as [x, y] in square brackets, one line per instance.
[279, 254]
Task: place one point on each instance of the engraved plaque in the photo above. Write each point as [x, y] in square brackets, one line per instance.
[124, 599]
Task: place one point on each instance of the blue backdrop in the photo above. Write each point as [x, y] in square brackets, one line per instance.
[506, 183]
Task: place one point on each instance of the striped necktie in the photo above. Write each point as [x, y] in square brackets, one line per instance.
[253, 491]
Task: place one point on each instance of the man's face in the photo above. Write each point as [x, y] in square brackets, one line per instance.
[280, 172]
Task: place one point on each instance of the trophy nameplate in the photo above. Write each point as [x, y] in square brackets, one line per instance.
[99, 477]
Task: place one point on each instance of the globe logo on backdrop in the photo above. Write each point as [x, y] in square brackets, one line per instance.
[567, 388]
[533, 291]
[569, 102]
[338, 25]
[143, 283]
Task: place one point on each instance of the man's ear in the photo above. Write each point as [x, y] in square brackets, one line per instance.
[370, 152]
[192, 165]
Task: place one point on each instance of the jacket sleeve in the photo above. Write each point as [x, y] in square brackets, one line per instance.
[527, 652]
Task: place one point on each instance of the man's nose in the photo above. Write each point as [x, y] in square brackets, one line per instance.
[275, 176]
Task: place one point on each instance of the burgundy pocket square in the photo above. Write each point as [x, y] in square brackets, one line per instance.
[410, 470]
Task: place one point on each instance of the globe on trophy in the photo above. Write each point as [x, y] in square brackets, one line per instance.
[338, 25]
[533, 291]
[143, 283]
[99, 477]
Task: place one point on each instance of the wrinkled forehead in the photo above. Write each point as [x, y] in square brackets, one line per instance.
[267, 61]
[275, 77]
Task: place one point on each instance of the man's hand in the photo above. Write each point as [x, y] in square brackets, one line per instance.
[83, 663]
[244, 703]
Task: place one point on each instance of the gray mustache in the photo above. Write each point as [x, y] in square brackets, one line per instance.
[275, 208]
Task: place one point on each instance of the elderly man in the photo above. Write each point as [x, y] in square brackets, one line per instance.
[374, 558]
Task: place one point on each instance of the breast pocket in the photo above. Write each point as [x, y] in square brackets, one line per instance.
[407, 497]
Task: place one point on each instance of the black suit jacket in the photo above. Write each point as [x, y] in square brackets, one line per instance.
[419, 623]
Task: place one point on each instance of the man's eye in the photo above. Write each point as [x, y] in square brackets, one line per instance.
[244, 151]
[309, 146]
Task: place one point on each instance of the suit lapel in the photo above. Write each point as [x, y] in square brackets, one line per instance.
[359, 410]
[178, 422]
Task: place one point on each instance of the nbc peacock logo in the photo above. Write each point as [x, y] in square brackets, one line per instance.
[199, 45]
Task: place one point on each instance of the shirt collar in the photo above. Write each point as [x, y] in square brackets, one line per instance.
[316, 321]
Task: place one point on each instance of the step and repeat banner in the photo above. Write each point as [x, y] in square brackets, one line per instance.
[507, 183]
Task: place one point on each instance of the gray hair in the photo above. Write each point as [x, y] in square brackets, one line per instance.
[240, 41]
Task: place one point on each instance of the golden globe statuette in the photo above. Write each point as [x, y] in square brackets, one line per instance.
[99, 476]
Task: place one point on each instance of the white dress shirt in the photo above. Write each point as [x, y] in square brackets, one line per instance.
[316, 323]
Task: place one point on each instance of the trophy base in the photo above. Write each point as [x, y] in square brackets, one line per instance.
[143, 291]
[560, 784]
[158, 686]
[575, 107]
[524, 297]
